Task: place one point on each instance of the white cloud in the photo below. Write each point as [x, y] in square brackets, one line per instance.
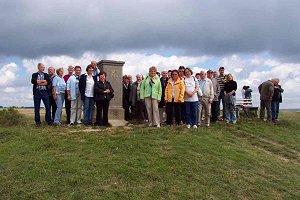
[8, 74]
[256, 70]
[139, 63]
[60, 61]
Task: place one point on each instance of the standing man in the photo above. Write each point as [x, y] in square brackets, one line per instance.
[67, 101]
[215, 103]
[276, 100]
[74, 96]
[221, 80]
[96, 69]
[206, 99]
[41, 81]
[53, 107]
[266, 91]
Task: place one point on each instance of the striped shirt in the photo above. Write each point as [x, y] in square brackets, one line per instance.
[41, 77]
[220, 80]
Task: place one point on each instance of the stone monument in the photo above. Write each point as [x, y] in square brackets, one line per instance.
[114, 72]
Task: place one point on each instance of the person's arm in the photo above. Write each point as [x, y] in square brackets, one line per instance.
[212, 92]
[159, 92]
[142, 90]
[181, 91]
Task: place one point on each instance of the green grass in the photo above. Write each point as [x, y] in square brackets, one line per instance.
[253, 160]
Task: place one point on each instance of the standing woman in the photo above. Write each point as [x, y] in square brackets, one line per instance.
[229, 91]
[190, 98]
[86, 88]
[151, 92]
[103, 94]
[59, 88]
[174, 97]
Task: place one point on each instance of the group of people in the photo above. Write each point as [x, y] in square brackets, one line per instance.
[78, 91]
[172, 97]
[179, 97]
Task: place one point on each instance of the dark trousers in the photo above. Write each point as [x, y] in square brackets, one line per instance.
[265, 105]
[221, 99]
[139, 111]
[172, 107]
[275, 109]
[214, 111]
[102, 112]
[126, 113]
[53, 107]
[37, 97]
[68, 108]
[182, 114]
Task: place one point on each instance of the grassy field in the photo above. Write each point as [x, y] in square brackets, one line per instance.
[253, 160]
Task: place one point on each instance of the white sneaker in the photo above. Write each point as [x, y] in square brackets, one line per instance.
[188, 126]
[195, 126]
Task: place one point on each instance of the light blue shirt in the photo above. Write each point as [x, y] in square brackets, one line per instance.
[202, 84]
[60, 85]
[73, 86]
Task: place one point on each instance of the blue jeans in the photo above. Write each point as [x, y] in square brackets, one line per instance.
[275, 109]
[88, 109]
[37, 97]
[191, 110]
[230, 112]
[59, 103]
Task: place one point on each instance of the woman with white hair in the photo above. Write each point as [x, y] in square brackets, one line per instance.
[151, 92]
[229, 99]
[137, 105]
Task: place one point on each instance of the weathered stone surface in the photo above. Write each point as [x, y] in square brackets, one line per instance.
[114, 71]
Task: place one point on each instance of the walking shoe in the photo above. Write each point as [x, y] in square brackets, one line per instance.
[188, 126]
[195, 126]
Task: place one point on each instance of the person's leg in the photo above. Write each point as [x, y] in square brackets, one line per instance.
[91, 102]
[37, 104]
[273, 110]
[268, 108]
[105, 112]
[156, 118]
[68, 108]
[169, 110]
[73, 111]
[78, 109]
[227, 112]
[53, 107]
[59, 103]
[193, 113]
[200, 111]
[223, 104]
[277, 110]
[188, 108]
[148, 103]
[182, 113]
[262, 109]
[233, 110]
[177, 112]
[45, 99]
[207, 108]
[86, 108]
[98, 113]
[214, 111]
[161, 115]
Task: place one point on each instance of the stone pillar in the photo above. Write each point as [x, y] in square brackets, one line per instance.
[114, 71]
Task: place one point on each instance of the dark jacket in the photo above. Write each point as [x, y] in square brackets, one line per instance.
[133, 93]
[34, 79]
[99, 89]
[277, 94]
[164, 83]
[229, 86]
[266, 90]
[126, 96]
[82, 85]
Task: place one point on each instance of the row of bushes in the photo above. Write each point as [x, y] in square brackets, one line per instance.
[10, 117]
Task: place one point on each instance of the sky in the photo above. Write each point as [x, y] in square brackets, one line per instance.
[254, 40]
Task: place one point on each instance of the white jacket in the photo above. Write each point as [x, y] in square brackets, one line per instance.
[208, 91]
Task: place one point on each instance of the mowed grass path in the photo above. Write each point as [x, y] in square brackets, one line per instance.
[253, 160]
